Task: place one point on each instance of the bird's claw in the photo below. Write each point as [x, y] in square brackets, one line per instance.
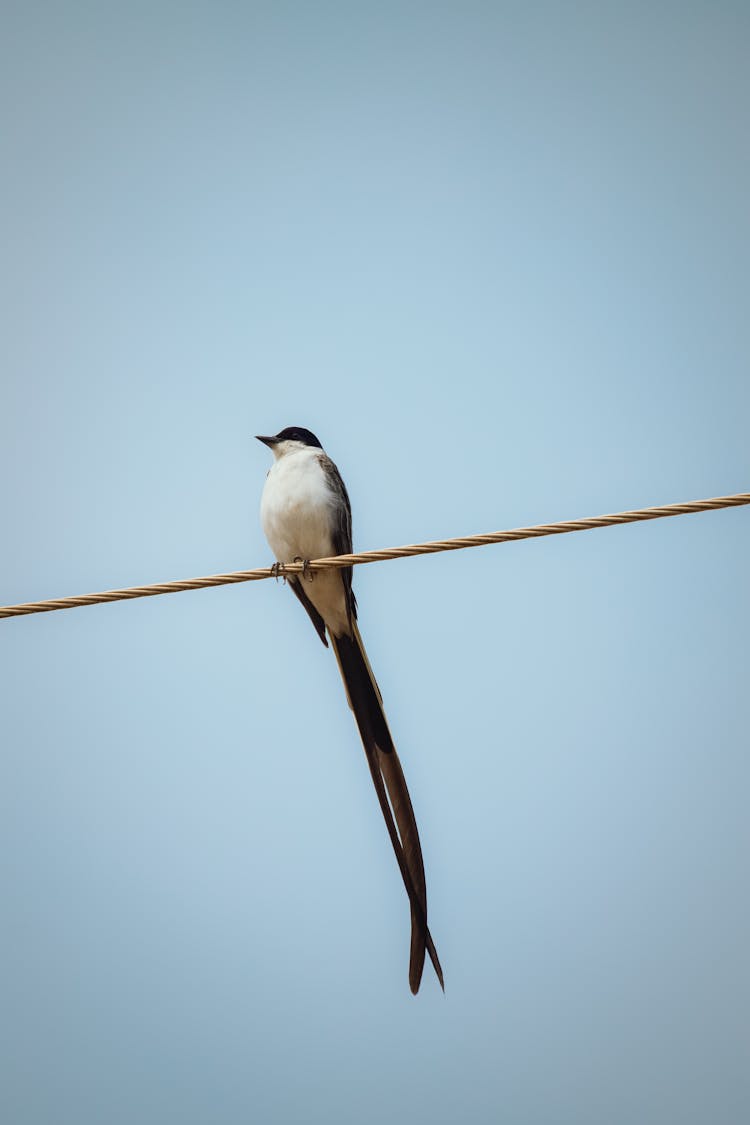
[277, 571]
[307, 574]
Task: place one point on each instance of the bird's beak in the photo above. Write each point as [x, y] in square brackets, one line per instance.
[269, 441]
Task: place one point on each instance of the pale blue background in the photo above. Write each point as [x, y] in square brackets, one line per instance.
[496, 256]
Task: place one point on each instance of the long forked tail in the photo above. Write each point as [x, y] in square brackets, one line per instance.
[390, 785]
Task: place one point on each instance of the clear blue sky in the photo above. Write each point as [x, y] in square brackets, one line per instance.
[496, 256]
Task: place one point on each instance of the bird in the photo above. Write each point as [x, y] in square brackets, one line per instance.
[306, 514]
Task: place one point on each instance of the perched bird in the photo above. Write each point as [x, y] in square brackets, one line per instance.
[305, 513]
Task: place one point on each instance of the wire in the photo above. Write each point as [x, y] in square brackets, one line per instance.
[339, 561]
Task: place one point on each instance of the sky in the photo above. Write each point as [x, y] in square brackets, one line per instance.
[496, 257]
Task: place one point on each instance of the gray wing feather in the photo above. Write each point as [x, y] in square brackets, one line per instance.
[342, 529]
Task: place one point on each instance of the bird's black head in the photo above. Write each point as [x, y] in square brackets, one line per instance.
[292, 433]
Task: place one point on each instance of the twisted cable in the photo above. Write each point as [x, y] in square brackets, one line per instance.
[385, 555]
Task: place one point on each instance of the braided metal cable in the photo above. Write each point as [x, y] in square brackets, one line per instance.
[385, 555]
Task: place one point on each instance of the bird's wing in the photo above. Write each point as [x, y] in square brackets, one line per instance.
[342, 529]
[296, 587]
[342, 545]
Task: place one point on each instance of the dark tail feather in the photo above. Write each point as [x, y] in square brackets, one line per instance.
[390, 784]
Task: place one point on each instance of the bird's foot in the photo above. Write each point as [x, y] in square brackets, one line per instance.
[277, 571]
[307, 574]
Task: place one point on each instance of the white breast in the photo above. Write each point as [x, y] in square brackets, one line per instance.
[296, 514]
[295, 509]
